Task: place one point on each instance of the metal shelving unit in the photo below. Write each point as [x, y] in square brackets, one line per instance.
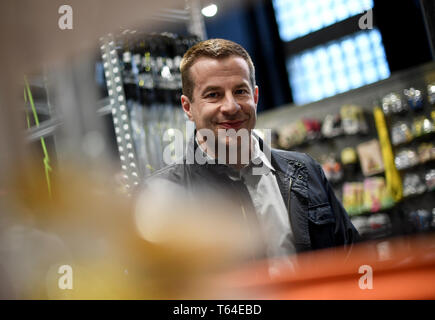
[62, 112]
[121, 119]
[132, 172]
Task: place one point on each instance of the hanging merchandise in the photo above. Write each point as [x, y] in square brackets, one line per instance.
[406, 158]
[430, 180]
[353, 120]
[400, 133]
[414, 99]
[292, 135]
[422, 126]
[426, 152]
[331, 126]
[140, 137]
[392, 104]
[376, 195]
[431, 93]
[152, 84]
[370, 157]
[413, 185]
[420, 219]
[392, 176]
[353, 197]
[332, 168]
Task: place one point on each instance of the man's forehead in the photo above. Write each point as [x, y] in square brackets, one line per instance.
[222, 63]
[206, 68]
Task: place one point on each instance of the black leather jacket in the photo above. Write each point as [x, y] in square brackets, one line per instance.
[317, 218]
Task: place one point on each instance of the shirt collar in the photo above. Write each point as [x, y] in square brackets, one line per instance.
[258, 157]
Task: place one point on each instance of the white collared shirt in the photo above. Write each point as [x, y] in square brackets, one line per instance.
[269, 207]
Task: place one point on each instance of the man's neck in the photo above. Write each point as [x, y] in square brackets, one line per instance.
[213, 152]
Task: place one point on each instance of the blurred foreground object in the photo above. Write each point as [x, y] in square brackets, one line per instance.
[164, 248]
[402, 268]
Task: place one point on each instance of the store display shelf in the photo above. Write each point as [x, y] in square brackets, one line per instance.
[41, 108]
[324, 140]
[415, 196]
[428, 137]
[45, 129]
[430, 162]
[48, 127]
[368, 213]
[339, 183]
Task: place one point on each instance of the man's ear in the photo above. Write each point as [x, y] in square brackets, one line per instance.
[256, 95]
[185, 103]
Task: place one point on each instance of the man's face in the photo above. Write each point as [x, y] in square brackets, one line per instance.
[222, 96]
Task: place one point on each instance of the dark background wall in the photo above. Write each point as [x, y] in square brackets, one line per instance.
[252, 24]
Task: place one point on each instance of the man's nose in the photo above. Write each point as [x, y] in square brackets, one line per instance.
[230, 105]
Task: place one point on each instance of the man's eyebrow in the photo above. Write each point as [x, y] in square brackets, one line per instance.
[242, 85]
[209, 88]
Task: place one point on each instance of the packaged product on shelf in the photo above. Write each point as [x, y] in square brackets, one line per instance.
[413, 185]
[429, 178]
[380, 223]
[421, 219]
[426, 152]
[129, 77]
[349, 160]
[392, 104]
[292, 135]
[331, 126]
[275, 139]
[370, 157]
[414, 99]
[353, 120]
[400, 133]
[422, 126]
[353, 193]
[361, 224]
[376, 195]
[332, 168]
[431, 93]
[406, 158]
[312, 127]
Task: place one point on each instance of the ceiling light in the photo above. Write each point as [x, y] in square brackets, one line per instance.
[210, 10]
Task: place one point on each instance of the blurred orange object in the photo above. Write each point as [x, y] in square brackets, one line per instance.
[395, 269]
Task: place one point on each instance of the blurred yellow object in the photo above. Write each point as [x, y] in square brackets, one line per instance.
[348, 156]
[392, 176]
[105, 238]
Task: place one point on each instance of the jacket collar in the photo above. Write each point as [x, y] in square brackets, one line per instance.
[260, 152]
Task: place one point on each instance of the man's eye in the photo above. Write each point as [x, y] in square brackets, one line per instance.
[242, 91]
[212, 95]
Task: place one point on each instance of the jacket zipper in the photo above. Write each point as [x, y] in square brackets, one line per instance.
[289, 195]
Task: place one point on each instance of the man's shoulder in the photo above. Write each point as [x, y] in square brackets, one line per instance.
[294, 156]
[173, 172]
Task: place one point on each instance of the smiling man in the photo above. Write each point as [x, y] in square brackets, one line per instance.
[292, 201]
[219, 95]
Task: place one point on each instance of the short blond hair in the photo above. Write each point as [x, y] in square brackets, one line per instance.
[216, 49]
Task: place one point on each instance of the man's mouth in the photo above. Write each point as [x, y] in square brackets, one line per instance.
[232, 124]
